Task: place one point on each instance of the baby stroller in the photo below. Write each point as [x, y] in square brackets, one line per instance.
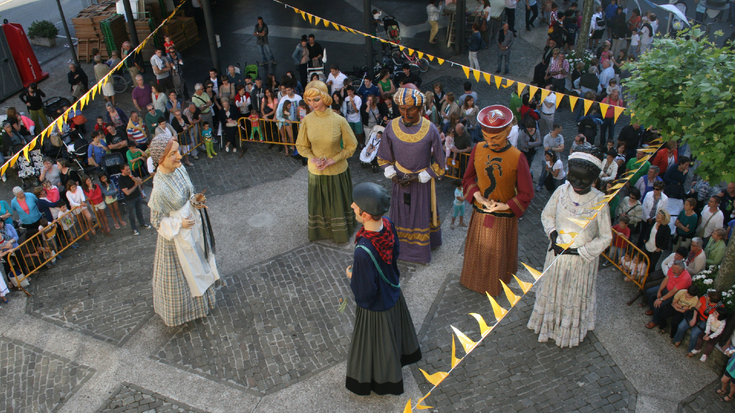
[368, 156]
[249, 70]
[318, 70]
[112, 166]
[392, 32]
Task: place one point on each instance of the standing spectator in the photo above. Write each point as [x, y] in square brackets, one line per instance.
[96, 150]
[608, 124]
[727, 201]
[367, 89]
[547, 111]
[93, 192]
[33, 99]
[136, 159]
[666, 157]
[646, 34]
[371, 116]
[109, 191]
[505, 41]
[261, 34]
[202, 101]
[195, 124]
[656, 237]
[158, 98]
[433, 13]
[300, 58]
[134, 65]
[234, 77]
[228, 119]
[141, 93]
[528, 139]
[351, 111]
[555, 168]
[554, 142]
[645, 183]
[468, 116]
[631, 136]
[180, 123]
[162, 68]
[597, 27]
[116, 138]
[336, 80]
[100, 71]
[315, 52]
[257, 94]
[468, 92]
[510, 14]
[609, 168]
[172, 104]
[130, 186]
[227, 91]
[676, 177]
[151, 119]
[712, 218]
[177, 72]
[631, 208]
[607, 73]
[531, 13]
[116, 116]
[78, 205]
[78, 81]
[50, 172]
[25, 204]
[610, 12]
[405, 76]
[558, 70]
[653, 202]
[285, 124]
[686, 225]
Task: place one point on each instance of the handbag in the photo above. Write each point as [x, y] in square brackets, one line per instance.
[483, 25]
[79, 120]
[700, 231]
[549, 182]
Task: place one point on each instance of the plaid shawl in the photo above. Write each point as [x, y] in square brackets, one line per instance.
[383, 241]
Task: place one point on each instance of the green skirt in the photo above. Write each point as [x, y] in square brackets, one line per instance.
[330, 210]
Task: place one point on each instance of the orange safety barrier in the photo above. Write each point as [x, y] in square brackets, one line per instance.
[45, 245]
[268, 131]
[629, 259]
[456, 165]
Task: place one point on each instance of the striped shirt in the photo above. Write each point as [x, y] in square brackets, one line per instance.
[562, 67]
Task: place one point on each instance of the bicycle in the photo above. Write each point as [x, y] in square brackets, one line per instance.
[119, 83]
[400, 57]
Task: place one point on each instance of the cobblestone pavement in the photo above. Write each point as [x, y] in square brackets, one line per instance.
[706, 401]
[130, 398]
[102, 289]
[275, 324]
[34, 381]
[513, 371]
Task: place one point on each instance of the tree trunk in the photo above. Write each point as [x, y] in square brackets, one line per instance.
[726, 275]
[583, 35]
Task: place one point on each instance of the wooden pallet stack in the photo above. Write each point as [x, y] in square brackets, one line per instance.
[114, 31]
[87, 29]
[174, 30]
[190, 29]
[143, 28]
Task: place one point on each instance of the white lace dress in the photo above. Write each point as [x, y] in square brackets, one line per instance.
[565, 301]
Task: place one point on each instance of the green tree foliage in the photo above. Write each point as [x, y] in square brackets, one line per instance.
[684, 88]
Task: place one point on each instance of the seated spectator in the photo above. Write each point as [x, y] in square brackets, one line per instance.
[715, 249]
[696, 259]
[715, 325]
[707, 303]
[661, 297]
[682, 308]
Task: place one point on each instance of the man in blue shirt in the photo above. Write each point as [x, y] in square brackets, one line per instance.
[26, 205]
[476, 44]
[368, 88]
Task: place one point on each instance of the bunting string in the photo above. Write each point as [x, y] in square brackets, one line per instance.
[83, 101]
[477, 74]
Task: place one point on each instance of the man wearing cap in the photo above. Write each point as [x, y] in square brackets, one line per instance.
[498, 183]
[405, 154]
[384, 339]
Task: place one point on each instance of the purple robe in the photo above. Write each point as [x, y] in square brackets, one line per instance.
[411, 150]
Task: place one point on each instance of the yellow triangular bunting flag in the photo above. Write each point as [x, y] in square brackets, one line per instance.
[573, 101]
[464, 340]
[618, 111]
[498, 311]
[559, 97]
[455, 361]
[532, 92]
[25, 152]
[524, 285]
[310, 16]
[326, 23]
[336, 26]
[466, 71]
[4, 168]
[303, 15]
[401, 48]
[519, 87]
[544, 93]
[317, 20]
[580, 222]
[296, 10]
[440, 61]
[603, 109]
[512, 298]
[410, 51]
[430, 57]
[481, 322]
[421, 55]
[508, 83]
[435, 378]
[498, 79]
[486, 76]
[477, 75]
[408, 408]
[418, 403]
[587, 105]
[534, 272]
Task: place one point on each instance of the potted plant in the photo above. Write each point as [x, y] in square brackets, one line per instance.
[43, 33]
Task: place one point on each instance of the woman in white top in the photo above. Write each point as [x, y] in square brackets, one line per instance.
[78, 203]
[555, 168]
[609, 168]
[654, 202]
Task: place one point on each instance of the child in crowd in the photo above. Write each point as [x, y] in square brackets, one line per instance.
[633, 264]
[715, 325]
[303, 110]
[100, 125]
[547, 11]
[449, 144]
[66, 218]
[621, 232]
[635, 40]
[52, 192]
[255, 126]
[167, 42]
[48, 238]
[109, 191]
[458, 204]
[208, 142]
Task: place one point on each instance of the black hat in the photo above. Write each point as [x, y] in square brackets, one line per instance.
[371, 198]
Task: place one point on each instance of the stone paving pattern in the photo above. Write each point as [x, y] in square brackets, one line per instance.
[705, 401]
[130, 398]
[511, 370]
[36, 381]
[276, 323]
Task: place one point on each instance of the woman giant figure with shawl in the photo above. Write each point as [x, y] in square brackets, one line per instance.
[184, 268]
[565, 304]
[326, 139]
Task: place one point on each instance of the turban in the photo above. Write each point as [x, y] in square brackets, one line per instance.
[409, 97]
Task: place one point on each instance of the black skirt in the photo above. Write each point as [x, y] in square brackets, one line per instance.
[382, 343]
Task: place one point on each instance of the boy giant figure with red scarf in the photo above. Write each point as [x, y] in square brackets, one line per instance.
[384, 339]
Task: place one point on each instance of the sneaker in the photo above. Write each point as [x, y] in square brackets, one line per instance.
[74, 245]
[5, 178]
[227, 148]
[209, 156]
[214, 153]
[196, 158]
[148, 226]
[234, 150]
[135, 232]
[703, 358]
[695, 351]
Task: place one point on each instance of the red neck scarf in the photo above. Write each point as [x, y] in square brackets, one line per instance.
[383, 241]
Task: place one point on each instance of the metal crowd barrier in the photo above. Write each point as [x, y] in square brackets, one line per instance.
[456, 165]
[45, 245]
[266, 131]
[629, 259]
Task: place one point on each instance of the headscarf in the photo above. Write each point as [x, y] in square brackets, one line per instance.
[409, 97]
[158, 147]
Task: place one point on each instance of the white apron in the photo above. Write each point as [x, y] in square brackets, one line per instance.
[200, 273]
